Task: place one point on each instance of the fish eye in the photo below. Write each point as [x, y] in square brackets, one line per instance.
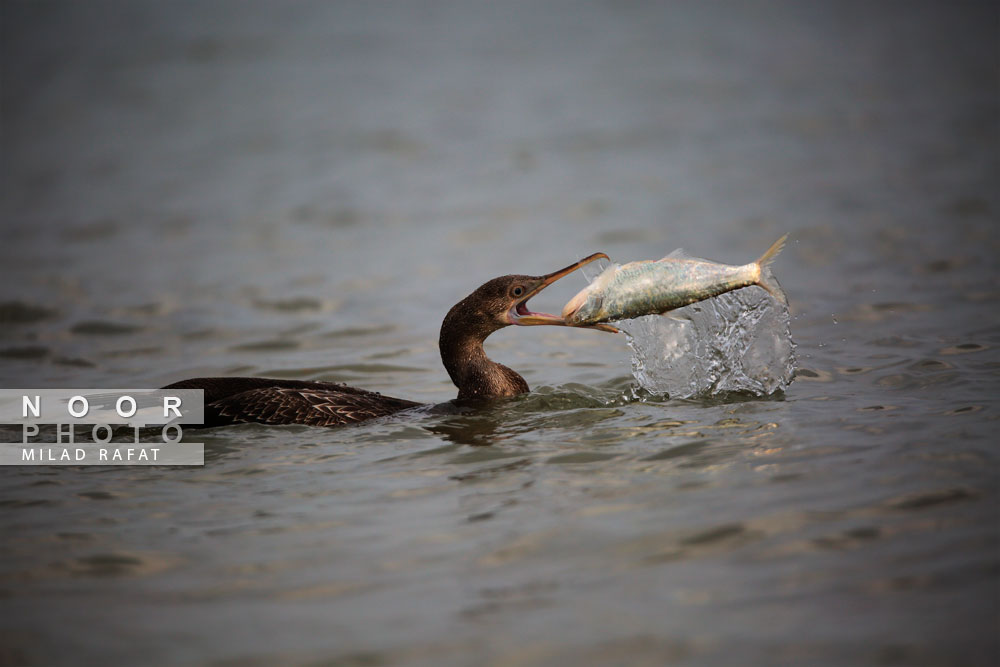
[517, 291]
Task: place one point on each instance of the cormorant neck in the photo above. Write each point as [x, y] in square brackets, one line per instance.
[475, 374]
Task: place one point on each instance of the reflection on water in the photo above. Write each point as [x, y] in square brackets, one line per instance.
[304, 194]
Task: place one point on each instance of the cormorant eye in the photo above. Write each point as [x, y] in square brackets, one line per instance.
[517, 291]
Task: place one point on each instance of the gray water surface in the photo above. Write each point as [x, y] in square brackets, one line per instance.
[303, 191]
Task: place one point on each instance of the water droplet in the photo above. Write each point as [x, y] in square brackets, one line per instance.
[738, 342]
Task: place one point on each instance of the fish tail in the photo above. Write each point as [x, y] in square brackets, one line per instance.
[772, 252]
[767, 279]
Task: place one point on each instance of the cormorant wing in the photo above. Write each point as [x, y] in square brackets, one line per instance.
[311, 407]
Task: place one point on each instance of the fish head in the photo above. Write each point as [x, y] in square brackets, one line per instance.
[587, 307]
[584, 308]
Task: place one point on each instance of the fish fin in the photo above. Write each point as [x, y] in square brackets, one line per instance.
[672, 315]
[767, 279]
[682, 254]
[772, 252]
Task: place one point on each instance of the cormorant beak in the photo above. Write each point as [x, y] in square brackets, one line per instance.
[520, 315]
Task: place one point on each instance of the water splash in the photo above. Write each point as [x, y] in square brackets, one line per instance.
[738, 342]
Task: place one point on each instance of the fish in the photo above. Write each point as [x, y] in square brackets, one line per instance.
[650, 287]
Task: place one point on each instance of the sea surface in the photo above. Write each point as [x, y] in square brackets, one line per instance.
[302, 190]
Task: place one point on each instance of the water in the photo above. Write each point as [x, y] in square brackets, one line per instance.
[304, 191]
[738, 342]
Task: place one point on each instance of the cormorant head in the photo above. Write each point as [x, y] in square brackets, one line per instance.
[503, 301]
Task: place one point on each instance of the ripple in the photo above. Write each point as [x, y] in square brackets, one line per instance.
[325, 590]
[103, 328]
[906, 381]
[291, 305]
[897, 381]
[25, 503]
[813, 375]
[98, 495]
[145, 309]
[73, 361]
[895, 341]
[945, 265]
[359, 332]
[965, 410]
[848, 539]
[571, 396]
[27, 352]
[700, 543]
[573, 420]
[107, 564]
[295, 373]
[723, 533]
[964, 348]
[679, 451]
[930, 365]
[925, 499]
[486, 473]
[18, 312]
[376, 368]
[582, 457]
[266, 345]
[117, 564]
[639, 649]
[132, 352]
[855, 370]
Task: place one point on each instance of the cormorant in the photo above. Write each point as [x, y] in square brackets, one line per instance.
[495, 304]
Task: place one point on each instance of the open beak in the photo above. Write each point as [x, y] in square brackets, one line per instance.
[520, 315]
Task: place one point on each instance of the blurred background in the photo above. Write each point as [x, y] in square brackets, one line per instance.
[304, 189]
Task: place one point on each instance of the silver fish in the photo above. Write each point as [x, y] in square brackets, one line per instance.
[651, 287]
